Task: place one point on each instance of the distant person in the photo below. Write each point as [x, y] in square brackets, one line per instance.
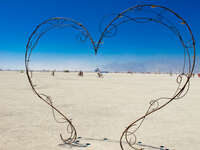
[80, 73]
[53, 73]
[100, 75]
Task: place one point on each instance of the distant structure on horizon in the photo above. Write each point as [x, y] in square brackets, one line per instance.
[97, 70]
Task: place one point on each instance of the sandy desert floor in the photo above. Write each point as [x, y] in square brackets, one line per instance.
[99, 108]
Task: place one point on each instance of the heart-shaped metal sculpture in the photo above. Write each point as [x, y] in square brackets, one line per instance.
[139, 14]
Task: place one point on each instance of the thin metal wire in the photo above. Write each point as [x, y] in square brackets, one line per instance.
[159, 16]
[32, 42]
[183, 85]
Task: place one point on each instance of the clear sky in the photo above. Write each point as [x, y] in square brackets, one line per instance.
[136, 47]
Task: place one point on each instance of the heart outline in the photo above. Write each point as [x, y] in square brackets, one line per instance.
[179, 93]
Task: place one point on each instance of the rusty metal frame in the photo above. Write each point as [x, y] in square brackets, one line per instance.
[158, 14]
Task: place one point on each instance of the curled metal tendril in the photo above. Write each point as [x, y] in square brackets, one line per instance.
[39, 31]
[160, 16]
[183, 80]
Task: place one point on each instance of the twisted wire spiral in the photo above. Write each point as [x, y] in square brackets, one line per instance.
[144, 13]
[36, 35]
[183, 79]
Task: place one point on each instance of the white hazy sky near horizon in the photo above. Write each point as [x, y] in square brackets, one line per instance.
[117, 62]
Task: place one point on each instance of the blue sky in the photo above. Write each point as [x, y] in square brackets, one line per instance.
[136, 47]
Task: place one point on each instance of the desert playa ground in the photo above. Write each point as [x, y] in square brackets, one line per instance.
[99, 108]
